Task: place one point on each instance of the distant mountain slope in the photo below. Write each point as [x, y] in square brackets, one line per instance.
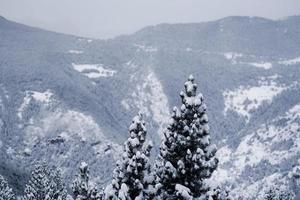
[66, 99]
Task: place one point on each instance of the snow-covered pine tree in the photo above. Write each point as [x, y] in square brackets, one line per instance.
[45, 184]
[37, 188]
[80, 187]
[94, 194]
[131, 180]
[5, 191]
[56, 190]
[80, 184]
[219, 193]
[187, 156]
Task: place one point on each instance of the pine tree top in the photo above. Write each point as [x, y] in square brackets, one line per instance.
[187, 155]
[83, 167]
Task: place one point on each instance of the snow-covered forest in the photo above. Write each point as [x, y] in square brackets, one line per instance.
[85, 118]
[185, 162]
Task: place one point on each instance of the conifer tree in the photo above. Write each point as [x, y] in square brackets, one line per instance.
[219, 193]
[81, 188]
[57, 190]
[45, 185]
[278, 193]
[187, 156]
[37, 188]
[131, 177]
[5, 191]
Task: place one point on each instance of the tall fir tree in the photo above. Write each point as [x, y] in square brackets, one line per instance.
[187, 156]
[81, 188]
[37, 188]
[132, 178]
[6, 192]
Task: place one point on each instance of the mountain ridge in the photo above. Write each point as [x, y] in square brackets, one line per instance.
[237, 17]
[86, 91]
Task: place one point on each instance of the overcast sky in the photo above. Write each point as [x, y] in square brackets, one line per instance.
[109, 18]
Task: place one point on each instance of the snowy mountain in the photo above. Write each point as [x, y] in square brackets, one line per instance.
[67, 99]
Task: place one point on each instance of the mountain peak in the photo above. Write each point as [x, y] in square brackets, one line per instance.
[244, 18]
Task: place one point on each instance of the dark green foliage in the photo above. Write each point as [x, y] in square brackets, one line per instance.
[131, 178]
[45, 184]
[81, 188]
[5, 191]
[186, 157]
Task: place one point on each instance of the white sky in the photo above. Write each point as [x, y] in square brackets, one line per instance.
[109, 18]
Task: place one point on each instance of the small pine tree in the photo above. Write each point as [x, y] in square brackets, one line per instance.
[131, 178]
[37, 188]
[186, 156]
[80, 184]
[5, 191]
[56, 188]
[45, 185]
[80, 187]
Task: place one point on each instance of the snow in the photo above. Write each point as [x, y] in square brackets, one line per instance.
[290, 62]
[264, 65]
[43, 97]
[10, 151]
[295, 111]
[23, 106]
[295, 173]
[232, 56]
[4, 92]
[85, 40]
[246, 99]
[255, 189]
[70, 125]
[159, 102]
[75, 52]
[223, 154]
[133, 141]
[27, 151]
[131, 64]
[1, 104]
[148, 49]
[258, 146]
[94, 70]
[125, 104]
[83, 165]
[220, 175]
[123, 192]
[183, 191]
[250, 155]
[151, 100]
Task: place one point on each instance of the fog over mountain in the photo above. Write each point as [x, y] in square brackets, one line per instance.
[65, 99]
[107, 19]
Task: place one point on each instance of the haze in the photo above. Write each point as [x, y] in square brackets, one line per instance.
[109, 18]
